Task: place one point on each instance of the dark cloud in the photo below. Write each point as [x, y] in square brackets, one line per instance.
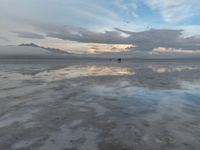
[83, 35]
[148, 40]
[29, 35]
[144, 41]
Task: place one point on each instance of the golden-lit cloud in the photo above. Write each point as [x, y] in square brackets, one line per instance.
[79, 48]
[107, 48]
[163, 50]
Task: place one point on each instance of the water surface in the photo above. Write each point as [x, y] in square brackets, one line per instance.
[99, 106]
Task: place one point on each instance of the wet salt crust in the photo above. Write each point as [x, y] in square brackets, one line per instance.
[99, 106]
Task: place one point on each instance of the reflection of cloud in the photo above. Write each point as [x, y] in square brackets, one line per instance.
[107, 48]
[194, 86]
[159, 69]
[94, 70]
[75, 71]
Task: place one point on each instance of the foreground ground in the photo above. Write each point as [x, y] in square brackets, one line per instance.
[99, 106]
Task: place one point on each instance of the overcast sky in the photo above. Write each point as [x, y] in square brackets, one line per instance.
[98, 26]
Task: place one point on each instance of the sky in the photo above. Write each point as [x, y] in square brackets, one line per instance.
[103, 26]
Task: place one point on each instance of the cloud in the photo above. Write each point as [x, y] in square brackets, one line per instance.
[95, 20]
[163, 50]
[127, 7]
[93, 14]
[154, 38]
[190, 30]
[175, 10]
[107, 48]
[144, 40]
[4, 39]
[29, 35]
[82, 35]
[99, 14]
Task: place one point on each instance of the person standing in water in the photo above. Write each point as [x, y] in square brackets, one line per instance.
[119, 60]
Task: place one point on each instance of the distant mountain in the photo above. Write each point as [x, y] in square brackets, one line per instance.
[31, 45]
[23, 51]
[32, 51]
[54, 50]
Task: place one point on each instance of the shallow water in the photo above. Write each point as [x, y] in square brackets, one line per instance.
[99, 106]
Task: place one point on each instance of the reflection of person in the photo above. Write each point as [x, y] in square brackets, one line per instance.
[119, 60]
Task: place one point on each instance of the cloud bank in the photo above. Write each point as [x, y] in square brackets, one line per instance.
[4, 39]
[29, 35]
[143, 41]
[69, 24]
[175, 10]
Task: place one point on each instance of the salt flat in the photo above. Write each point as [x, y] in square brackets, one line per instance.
[99, 105]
